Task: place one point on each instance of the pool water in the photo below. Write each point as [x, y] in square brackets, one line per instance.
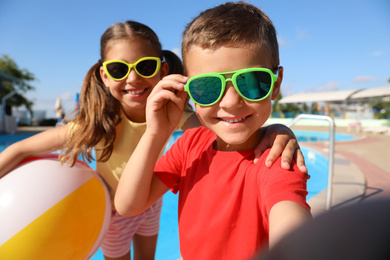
[6, 140]
[313, 136]
[168, 239]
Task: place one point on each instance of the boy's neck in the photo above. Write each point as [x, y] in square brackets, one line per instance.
[251, 143]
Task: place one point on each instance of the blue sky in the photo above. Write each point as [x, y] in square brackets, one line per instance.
[324, 45]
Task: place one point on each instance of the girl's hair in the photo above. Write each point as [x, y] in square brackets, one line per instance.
[95, 118]
[98, 113]
[174, 62]
[231, 24]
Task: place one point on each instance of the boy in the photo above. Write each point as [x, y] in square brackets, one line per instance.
[228, 207]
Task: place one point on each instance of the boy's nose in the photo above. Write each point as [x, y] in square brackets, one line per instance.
[231, 98]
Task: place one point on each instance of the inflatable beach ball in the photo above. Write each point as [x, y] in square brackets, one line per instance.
[52, 211]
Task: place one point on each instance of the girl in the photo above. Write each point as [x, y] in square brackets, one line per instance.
[111, 119]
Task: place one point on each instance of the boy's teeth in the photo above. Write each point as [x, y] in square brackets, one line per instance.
[233, 120]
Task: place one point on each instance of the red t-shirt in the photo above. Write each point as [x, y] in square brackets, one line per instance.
[224, 198]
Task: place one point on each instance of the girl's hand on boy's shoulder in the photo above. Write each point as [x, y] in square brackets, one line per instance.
[283, 143]
[165, 104]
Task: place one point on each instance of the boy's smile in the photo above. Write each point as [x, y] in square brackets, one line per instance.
[233, 119]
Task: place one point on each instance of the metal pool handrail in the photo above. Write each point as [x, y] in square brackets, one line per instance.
[331, 150]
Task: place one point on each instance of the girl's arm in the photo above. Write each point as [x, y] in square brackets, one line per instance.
[284, 217]
[282, 142]
[138, 187]
[39, 144]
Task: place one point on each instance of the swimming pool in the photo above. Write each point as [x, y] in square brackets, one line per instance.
[168, 239]
[314, 136]
[6, 140]
[302, 136]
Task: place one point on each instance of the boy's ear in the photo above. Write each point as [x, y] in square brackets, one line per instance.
[164, 69]
[277, 84]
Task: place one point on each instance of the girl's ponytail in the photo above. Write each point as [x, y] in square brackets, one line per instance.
[95, 120]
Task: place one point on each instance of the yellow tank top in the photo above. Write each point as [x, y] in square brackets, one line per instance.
[128, 135]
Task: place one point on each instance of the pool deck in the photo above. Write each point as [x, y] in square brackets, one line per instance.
[361, 168]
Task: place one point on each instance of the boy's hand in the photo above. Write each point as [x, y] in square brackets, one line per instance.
[165, 105]
[282, 142]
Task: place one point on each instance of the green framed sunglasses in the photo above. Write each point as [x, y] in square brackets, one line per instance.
[253, 84]
[146, 67]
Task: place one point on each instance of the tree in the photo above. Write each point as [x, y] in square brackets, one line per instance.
[276, 106]
[16, 79]
[290, 108]
[287, 108]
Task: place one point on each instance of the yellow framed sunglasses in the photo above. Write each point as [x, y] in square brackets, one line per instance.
[146, 67]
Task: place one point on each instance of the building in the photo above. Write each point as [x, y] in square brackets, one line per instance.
[355, 103]
[7, 123]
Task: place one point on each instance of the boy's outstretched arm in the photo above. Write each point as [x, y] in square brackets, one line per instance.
[284, 217]
[138, 187]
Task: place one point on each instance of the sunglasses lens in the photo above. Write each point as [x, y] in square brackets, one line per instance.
[205, 90]
[147, 67]
[117, 70]
[254, 84]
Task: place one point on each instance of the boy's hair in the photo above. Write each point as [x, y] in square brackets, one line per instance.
[99, 112]
[232, 24]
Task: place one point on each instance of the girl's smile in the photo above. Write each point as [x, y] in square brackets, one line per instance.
[133, 91]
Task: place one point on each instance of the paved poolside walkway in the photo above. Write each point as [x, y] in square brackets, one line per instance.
[361, 168]
[32, 129]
